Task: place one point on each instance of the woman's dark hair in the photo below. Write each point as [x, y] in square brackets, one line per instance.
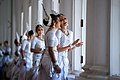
[6, 42]
[45, 22]
[59, 15]
[15, 41]
[20, 39]
[30, 33]
[55, 18]
[38, 27]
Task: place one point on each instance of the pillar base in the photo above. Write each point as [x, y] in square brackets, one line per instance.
[94, 73]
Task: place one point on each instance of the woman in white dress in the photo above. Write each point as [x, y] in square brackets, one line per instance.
[6, 52]
[50, 69]
[26, 57]
[66, 44]
[37, 47]
[7, 59]
[17, 58]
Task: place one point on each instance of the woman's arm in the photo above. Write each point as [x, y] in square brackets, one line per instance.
[60, 49]
[53, 59]
[69, 47]
[37, 50]
[51, 52]
[77, 45]
[22, 53]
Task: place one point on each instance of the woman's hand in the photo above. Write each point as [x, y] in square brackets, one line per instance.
[57, 69]
[79, 44]
[24, 62]
[75, 42]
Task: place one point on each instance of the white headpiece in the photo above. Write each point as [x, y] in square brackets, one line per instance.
[24, 35]
[17, 37]
[26, 31]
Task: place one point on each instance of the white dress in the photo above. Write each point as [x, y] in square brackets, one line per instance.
[1, 65]
[64, 40]
[46, 70]
[7, 61]
[37, 43]
[25, 70]
[16, 68]
[1, 57]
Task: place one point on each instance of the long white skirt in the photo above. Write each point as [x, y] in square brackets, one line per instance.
[25, 70]
[64, 65]
[46, 69]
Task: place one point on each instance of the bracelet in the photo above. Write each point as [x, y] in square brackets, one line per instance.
[23, 58]
[70, 45]
[55, 64]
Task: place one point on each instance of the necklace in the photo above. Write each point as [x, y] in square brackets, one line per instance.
[65, 32]
[39, 37]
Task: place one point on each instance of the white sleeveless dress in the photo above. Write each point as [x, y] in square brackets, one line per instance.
[24, 73]
[64, 40]
[37, 43]
[46, 70]
[16, 68]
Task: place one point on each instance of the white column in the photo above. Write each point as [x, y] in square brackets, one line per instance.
[76, 55]
[115, 38]
[34, 4]
[55, 6]
[25, 10]
[13, 27]
[29, 17]
[83, 30]
[18, 10]
[4, 19]
[39, 12]
[97, 40]
[21, 22]
[8, 15]
[1, 20]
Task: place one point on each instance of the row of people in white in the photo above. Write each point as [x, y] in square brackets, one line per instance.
[54, 63]
[27, 62]
[58, 43]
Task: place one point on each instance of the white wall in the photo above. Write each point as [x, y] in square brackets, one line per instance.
[5, 20]
[98, 32]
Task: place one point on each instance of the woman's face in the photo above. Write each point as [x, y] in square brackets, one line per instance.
[40, 31]
[64, 22]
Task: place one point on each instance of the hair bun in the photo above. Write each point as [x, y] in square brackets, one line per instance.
[47, 21]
